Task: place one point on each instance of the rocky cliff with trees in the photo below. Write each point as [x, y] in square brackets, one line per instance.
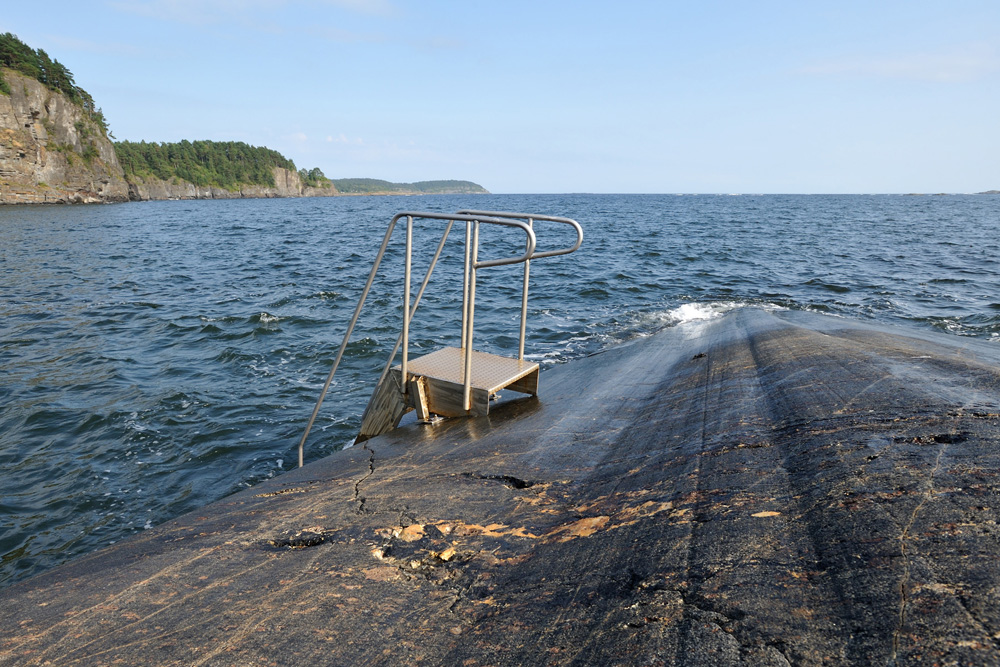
[212, 170]
[56, 147]
[54, 144]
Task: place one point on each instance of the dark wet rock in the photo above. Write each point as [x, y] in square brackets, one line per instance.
[760, 489]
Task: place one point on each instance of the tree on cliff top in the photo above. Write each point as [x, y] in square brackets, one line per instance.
[18, 56]
[314, 178]
[223, 164]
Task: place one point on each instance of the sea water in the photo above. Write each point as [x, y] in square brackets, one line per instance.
[158, 356]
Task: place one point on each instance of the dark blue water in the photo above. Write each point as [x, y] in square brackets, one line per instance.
[158, 356]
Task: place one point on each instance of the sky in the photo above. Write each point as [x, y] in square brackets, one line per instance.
[623, 96]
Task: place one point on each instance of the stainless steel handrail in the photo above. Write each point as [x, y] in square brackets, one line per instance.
[416, 301]
[530, 217]
[474, 222]
[407, 311]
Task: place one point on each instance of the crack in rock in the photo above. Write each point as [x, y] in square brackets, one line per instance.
[904, 580]
[358, 498]
[507, 480]
[309, 537]
[281, 492]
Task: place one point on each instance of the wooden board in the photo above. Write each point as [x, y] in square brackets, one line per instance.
[384, 410]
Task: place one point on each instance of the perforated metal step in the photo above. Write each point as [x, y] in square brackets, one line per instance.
[437, 381]
[490, 372]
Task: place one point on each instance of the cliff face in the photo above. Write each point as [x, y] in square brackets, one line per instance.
[51, 151]
[287, 184]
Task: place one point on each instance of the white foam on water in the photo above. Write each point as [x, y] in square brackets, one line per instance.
[640, 325]
[694, 312]
[647, 323]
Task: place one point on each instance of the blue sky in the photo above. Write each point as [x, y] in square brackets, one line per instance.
[559, 96]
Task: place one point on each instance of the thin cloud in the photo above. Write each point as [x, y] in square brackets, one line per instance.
[191, 12]
[961, 65]
[439, 44]
[103, 48]
[343, 139]
[347, 37]
[206, 12]
[377, 7]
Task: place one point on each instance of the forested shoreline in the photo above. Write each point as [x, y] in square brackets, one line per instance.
[224, 164]
[72, 155]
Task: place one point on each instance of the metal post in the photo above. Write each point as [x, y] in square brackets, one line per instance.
[524, 305]
[465, 281]
[416, 301]
[347, 338]
[467, 389]
[406, 298]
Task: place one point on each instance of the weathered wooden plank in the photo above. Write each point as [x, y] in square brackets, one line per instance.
[418, 396]
[385, 408]
[447, 399]
[526, 385]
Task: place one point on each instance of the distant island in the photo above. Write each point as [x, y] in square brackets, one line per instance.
[56, 147]
[989, 192]
[373, 186]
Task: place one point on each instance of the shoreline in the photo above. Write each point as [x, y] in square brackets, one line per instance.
[78, 199]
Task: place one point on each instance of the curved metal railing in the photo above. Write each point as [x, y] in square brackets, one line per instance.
[534, 255]
[472, 263]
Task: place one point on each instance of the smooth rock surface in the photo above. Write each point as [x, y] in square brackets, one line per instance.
[760, 489]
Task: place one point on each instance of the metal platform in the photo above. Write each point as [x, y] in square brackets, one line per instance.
[490, 372]
[436, 386]
[453, 381]
[439, 380]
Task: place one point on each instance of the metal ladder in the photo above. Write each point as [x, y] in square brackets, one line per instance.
[452, 381]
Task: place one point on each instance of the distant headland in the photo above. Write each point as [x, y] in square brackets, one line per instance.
[233, 169]
[56, 147]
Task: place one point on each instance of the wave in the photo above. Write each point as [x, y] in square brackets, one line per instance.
[650, 322]
[265, 318]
